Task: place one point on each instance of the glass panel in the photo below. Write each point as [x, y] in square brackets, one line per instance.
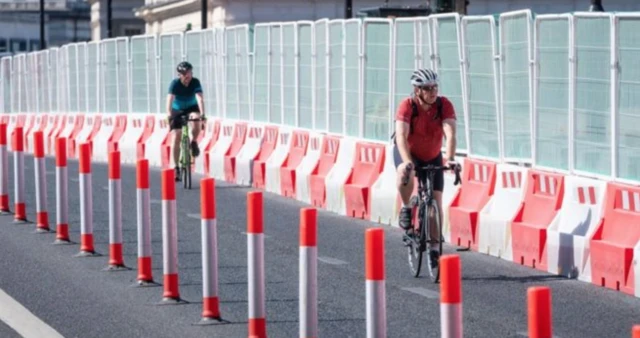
[376, 91]
[320, 31]
[336, 109]
[629, 87]
[593, 96]
[552, 104]
[275, 104]
[352, 77]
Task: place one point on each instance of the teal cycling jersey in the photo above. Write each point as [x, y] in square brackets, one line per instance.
[184, 96]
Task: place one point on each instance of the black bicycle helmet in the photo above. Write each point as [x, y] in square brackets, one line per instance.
[183, 67]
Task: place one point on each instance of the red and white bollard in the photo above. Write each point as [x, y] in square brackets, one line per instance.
[635, 331]
[42, 215]
[145, 275]
[375, 274]
[62, 195]
[451, 296]
[18, 172]
[255, 257]
[116, 261]
[210, 301]
[4, 171]
[539, 308]
[171, 293]
[308, 287]
[86, 202]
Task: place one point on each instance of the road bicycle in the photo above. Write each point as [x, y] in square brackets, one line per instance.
[420, 241]
[185, 160]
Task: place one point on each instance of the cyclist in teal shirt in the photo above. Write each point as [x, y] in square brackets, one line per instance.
[184, 99]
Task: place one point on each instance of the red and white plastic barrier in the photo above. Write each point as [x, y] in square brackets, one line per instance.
[86, 202]
[384, 193]
[101, 139]
[375, 274]
[308, 292]
[145, 274]
[220, 149]
[210, 301]
[539, 312]
[116, 261]
[62, 196]
[4, 171]
[307, 167]
[451, 297]
[156, 142]
[248, 153]
[18, 175]
[42, 215]
[255, 264]
[170, 238]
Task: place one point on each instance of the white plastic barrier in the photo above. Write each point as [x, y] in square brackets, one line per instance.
[209, 133]
[100, 141]
[216, 155]
[384, 193]
[153, 152]
[495, 218]
[49, 142]
[248, 152]
[568, 236]
[449, 193]
[91, 123]
[338, 175]
[276, 160]
[128, 144]
[307, 166]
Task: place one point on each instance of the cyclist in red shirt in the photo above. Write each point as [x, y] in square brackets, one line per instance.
[422, 120]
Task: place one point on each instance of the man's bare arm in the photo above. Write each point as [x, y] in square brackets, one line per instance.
[169, 103]
[449, 126]
[200, 100]
[402, 133]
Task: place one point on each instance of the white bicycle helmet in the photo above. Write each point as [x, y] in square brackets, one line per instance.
[424, 77]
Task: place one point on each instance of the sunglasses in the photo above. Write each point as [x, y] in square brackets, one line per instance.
[430, 88]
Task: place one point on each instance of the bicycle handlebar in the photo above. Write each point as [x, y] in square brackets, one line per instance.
[456, 169]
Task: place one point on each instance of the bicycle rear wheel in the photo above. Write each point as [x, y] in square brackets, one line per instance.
[432, 261]
[414, 252]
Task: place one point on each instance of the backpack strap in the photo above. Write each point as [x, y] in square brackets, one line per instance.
[414, 114]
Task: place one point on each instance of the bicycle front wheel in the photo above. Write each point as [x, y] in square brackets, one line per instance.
[414, 247]
[186, 164]
[434, 251]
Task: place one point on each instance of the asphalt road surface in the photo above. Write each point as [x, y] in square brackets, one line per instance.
[78, 299]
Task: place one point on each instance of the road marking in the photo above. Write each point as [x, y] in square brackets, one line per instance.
[196, 216]
[74, 179]
[332, 261]
[423, 292]
[22, 320]
[105, 188]
[155, 201]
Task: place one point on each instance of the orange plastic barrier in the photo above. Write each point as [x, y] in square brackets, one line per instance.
[542, 201]
[328, 156]
[118, 130]
[612, 244]
[149, 124]
[78, 123]
[268, 145]
[478, 181]
[288, 170]
[367, 167]
[213, 129]
[230, 157]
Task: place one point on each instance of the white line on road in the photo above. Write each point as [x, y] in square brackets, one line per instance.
[105, 188]
[155, 201]
[423, 292]
[196, 216]
[22, 320]
[74, 179]
[332, 261]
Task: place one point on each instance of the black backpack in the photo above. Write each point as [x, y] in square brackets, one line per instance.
[414, 114]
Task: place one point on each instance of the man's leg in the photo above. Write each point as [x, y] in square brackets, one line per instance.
[195, 131]
[405, 194]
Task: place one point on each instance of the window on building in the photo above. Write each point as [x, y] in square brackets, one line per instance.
[18, 45]
[34, 45]
[129, 31]
[3, 45]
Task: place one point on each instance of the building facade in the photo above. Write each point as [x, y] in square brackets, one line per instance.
[65, 21]
[123, 20]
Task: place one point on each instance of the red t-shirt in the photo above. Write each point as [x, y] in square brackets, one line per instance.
[426, 140]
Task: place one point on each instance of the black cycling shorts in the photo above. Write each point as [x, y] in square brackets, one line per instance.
[438, 178]
[176, 121]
